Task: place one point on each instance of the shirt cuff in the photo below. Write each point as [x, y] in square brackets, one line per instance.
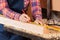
[17, 16]
[39, 17]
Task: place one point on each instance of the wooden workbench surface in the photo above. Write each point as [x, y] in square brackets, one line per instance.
[28, 30]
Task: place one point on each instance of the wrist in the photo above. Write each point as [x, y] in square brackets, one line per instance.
[39, 17]
[17, 17]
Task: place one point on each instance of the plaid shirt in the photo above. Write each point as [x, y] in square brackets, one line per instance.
[35, 9]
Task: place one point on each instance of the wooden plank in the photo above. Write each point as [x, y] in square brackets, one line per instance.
[26, 26]
[23, 28]
[28, 30]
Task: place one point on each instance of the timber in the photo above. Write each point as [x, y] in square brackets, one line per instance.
[29, 30]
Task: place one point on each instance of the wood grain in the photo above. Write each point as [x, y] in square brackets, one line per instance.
[28, 30]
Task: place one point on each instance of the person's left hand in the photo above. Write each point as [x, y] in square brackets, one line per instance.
[39, 22]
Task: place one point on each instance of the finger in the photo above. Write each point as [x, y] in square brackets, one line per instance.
[36, 22]
[27, 20]
[40, 23]
[23, 20]
[26, 16]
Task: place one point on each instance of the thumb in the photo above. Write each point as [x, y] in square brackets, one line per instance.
[26, 16]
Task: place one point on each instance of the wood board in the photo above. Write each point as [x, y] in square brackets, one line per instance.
[31, 28]
[28, 30]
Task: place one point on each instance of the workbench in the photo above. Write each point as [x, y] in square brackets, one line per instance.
[32, 31]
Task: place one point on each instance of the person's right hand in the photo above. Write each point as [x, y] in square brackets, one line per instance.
[24, 18]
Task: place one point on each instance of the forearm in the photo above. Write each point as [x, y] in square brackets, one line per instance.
[10, 14]
[36, 9]
[4, 8]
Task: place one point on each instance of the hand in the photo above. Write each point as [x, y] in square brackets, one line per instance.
[39, 22]
[24, 18]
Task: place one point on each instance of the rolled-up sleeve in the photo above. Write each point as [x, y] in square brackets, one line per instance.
[26, 2]
[36, 9]
[6, 11]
